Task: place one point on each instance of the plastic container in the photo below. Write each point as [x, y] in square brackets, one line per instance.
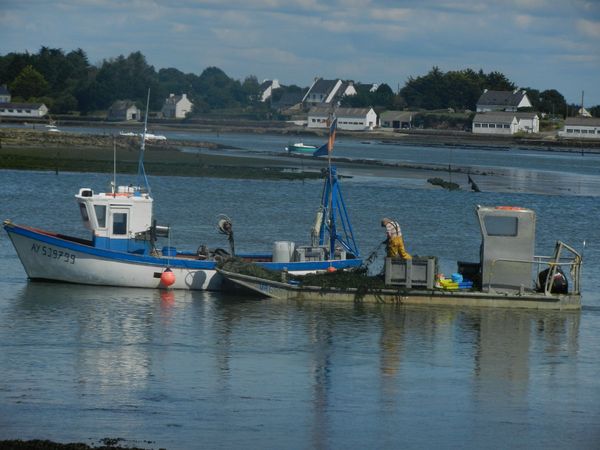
[456, 277]
[283, 251]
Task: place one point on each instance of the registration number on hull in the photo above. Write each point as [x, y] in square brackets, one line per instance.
[53, 253]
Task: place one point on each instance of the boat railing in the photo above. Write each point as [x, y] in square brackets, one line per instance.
[558, 260]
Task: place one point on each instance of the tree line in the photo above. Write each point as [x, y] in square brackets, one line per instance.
[67, 82]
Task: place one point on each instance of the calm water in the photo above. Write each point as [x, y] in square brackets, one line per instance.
[189, 370]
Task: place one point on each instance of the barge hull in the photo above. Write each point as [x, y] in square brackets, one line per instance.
[285, 291]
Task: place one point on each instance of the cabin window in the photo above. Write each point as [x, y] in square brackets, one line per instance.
[501, 226]
[100, 215]
[84, 213]
[119, 223]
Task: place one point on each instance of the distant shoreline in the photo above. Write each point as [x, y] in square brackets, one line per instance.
[25, 149]
[547, 141]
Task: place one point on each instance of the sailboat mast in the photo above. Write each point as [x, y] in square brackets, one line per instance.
[141, 170]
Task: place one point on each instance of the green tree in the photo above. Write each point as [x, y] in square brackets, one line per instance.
[29, 84]
[217, 90]
[126, 78]
[552, 102]
[251, 89]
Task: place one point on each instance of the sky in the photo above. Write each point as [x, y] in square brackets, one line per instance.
[542, 44]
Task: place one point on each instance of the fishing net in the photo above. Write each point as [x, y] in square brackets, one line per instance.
[238, 265]
[345, 279]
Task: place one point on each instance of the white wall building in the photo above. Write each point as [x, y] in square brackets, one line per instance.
[124, 110]
[503, 101]
[501, 122]
[328, 91]
[581, 128]
[177, 106]
[4, 94]
[266, 89]
[23, 110]
[354, 119]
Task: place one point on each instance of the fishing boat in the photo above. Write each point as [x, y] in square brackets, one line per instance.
[508, 274]
[124, 250]
[302, 148]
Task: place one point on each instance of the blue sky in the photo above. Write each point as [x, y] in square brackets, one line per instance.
[543, 44]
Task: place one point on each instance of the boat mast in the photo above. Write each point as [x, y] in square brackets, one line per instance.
[141, 171]
[333, 207]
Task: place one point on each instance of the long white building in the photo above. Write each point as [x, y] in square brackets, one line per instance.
[581, 128]
[32, 110]
[352, 119]
[503, 122]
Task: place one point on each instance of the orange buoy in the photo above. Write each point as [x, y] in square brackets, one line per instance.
[331, 269]
[167, 278]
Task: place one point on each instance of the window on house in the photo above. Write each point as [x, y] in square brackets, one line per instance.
[506, 126]
[569, 130]
[485, 125]
[477, 125]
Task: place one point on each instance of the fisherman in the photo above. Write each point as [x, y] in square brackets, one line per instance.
[395, 243]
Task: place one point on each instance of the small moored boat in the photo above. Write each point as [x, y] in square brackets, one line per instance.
[300, 147]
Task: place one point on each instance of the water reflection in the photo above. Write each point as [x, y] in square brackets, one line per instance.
[238, 359]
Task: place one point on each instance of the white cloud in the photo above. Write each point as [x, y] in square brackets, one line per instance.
[589, 28]
[523, 20]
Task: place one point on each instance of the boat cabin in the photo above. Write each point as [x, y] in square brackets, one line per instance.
[507, 261]
[507, 247]
[120, 220]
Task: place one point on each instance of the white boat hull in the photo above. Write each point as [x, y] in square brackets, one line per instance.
[43, 261]
[48, 256]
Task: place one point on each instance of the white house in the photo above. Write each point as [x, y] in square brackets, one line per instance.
[32, 110]
[354, 119]
[529, 122]
[507, 123]
[266, 89]
[124, 110]
[327, 91]
[177, 106]
[581, 128]
[4, 94]
[503, 101]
